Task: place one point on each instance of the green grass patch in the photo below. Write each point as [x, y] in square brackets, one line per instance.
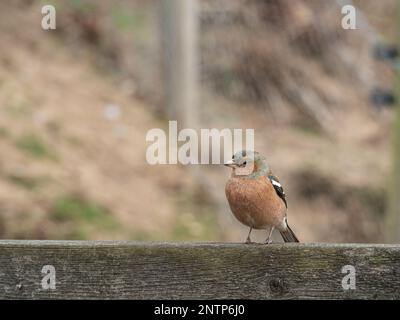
[189, 226]
[124, 19]
[3, 132]
[78, 233]
[83, 212]
[27, 182]
[196, 219]
[141, 235]
[33, 146]
[73, 141]
[82, 6]
[17, 110]
[307, 127]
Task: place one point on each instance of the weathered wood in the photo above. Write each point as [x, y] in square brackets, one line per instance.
[134, 270]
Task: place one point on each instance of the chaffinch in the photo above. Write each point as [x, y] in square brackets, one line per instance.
[256, 197]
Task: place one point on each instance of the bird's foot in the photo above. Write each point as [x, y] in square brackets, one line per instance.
[248, 241]
[268, 241]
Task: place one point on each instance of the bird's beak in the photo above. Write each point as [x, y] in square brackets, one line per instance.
[231, 164]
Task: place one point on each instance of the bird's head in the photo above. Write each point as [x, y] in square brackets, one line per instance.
[252, 161]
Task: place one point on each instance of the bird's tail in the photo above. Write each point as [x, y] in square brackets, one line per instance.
[288, 235]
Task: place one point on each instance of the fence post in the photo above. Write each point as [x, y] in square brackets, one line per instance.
[392, 223]
[179, 28]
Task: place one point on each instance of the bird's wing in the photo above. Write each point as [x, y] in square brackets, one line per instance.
[278, 188]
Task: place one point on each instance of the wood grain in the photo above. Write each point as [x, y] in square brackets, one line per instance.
[135, 270]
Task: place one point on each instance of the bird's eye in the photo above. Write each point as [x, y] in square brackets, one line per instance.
[244, 163]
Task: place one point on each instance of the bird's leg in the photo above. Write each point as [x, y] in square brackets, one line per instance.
[269, 240]
[248, 240]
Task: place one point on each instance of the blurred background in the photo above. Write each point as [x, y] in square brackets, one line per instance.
[76, 104]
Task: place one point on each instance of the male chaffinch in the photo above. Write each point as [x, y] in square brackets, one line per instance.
[256, 197]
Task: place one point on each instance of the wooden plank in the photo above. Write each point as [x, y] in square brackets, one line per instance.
[134, 270]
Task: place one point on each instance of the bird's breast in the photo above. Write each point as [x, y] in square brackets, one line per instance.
[254, 202]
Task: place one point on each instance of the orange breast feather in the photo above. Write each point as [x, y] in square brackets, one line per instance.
[254, 202]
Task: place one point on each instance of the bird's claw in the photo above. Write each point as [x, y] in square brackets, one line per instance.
[268, 241]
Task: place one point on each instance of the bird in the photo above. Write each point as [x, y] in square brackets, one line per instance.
[256, 197]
